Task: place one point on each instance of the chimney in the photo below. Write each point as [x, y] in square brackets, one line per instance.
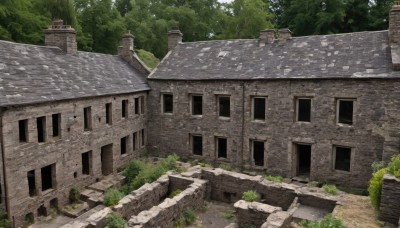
[62, 36]
[394, 35]
[127, 44]
[267, 36]
[174, 38]
[284, 35]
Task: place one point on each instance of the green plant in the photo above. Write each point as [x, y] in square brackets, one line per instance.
[148, 58]
[115, 220]
[377, 165]
[74, 195]
[132, 170]
[187, 218]
[4, 222]
[230, 214]
[330, 188]
[276, 179]
[174, 193]
[394, 166]
[112, 196]
[250, 196]
[328, 222]
[312, 184]
[226, 167]
[375, 187]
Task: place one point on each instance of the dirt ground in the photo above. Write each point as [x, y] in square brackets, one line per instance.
[213, 215]
[357, 212]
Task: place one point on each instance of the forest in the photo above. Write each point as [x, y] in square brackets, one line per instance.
[101, 23]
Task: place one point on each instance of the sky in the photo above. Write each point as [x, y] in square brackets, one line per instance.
[225, 0]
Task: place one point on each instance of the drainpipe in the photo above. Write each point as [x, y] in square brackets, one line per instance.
[4, 166]
[243, 120]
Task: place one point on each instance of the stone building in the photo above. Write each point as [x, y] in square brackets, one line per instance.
[320, 108]
[67, 118]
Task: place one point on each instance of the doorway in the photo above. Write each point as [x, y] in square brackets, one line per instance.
[303, 157]
[107, 159]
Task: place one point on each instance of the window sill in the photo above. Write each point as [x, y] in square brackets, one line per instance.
[258, 121]
[223, 159]
[124, 155]
[303, 122]
[196, 116]
[48, 191]
[345, 125]
[223, 118]
[168, 113]
[196, 155]
[342, 171]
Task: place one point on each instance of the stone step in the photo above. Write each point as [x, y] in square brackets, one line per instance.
[92, 197]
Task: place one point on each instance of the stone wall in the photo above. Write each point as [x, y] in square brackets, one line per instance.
[390, 200]
[65, 150]
[373, 136]
[253, 214]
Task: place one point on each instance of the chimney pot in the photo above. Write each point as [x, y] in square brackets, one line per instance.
[62, 36]
[284, 35]
[267, 36]
[127, 43]
[174, 38]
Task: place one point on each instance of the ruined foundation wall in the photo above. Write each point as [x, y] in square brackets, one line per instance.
[253, 214]
[65, 151]
[390, 200]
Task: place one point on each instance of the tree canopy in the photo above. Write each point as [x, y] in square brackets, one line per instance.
[101, 23]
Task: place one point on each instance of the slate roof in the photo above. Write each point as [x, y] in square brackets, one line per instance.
[34, 74]
[351, 55]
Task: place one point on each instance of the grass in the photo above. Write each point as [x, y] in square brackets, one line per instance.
[276, 179]
[112, 196]
[328, 222]
[174, 193]
[330, 189]
[115, 220]
[148, 58]
[74, 195]
[230, 214]
[250, 196]
[187, 218]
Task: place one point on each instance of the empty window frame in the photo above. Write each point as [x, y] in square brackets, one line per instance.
[303, 109]
[41, 128]
[142, 105]
[342, 158]
[168, 103]
[86, 163]
[56, 120]
[137, 106]
[32, 183]
[258, 106]
[134, 141]
[48, 177]
[124, 145]
[142, 138]
[345, 109]
[257, 151]
[224, 106]
[197, 105]
[87, 118]
[222, 147]
[23, 130]
[197, 144]
[109, 113]
[124, 108]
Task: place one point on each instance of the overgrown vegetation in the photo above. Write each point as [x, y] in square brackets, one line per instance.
[112, 196]
[74, 195]
[115, 220]
[276, 179]
[4, 222]
[230, 214]
[375, 184]
[175, 193]
[138, 173]
[251, 196]
[328, 222]
[148, 58]
[187, 218]
[330, 189]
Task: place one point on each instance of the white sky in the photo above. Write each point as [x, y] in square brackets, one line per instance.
[225, 0]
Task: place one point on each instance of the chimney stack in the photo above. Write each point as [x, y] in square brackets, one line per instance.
[394, 35]
[62, 36]
[174, 38]
[284, 35]
[127, 44]
[267, 36]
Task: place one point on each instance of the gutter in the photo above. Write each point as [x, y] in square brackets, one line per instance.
[4, 164]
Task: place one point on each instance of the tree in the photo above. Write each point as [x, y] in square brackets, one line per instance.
[379, 14]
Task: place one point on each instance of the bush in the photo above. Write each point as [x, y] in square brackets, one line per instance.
[250, 196]
[115, 220]
[375, 188]
[377, 165]
[4, 222]
[132, 170]
[148, 58]
[394, 166]
[328, 222]
[175, 193]
[74, 195]
[276, 179]
[331, 189]
[112, 196]
[230, 214]
[187, 218]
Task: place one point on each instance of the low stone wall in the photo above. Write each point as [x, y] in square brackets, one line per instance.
[279, 219]
[253, 213]
[164, 214]
[390, 200]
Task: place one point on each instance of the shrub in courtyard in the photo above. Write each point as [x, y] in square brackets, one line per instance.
[74, 195]
[175, 193]
[276, 179]
[112, 196]
[394, 166]
[375, 188]
[187, 218]
[132, 170]
[115, 220]
[251, 196]
[330, 188]
[328, 222]
[230, 214]
[4, 222]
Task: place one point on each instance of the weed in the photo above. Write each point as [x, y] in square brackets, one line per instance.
[4, 222]
[115, 220]
[276, 179]
[187, 218]
[375, 188]
[394, 166]
[226, 167]
[174, 193]
[251, 196]
[328, 221]
[112, 196]
[74, 195]
[312, 184]
[230, 214]
[330, 189]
